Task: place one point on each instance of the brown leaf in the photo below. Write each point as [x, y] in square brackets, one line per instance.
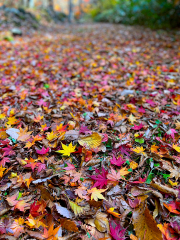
[68, 225]
[164, 189]
[101, 222]
[145, 226]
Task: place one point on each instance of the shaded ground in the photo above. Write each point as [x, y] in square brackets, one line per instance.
[90, 134]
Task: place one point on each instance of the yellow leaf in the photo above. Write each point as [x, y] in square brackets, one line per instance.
[12, 121]
[101, 222]
[3, 135]
[76, 208]
[92, 141]
[154, 148]
[132, 119]
[67, 150]
[2, 116]
[96, 193]
[139, 150]
[123, 171]
[145, 226]
[111, 211]
[133, 165]
[173, 183]
[51, 136]
[1, 170]
[176, 147]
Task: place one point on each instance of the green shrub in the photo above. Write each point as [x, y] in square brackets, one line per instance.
[152, 13]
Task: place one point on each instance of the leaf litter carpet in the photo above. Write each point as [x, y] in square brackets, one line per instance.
[89, 134]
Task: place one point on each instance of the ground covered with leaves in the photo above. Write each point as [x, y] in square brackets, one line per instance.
[89, 134]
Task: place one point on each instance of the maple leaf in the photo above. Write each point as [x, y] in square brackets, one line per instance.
[154, 148]
[42, 151]
[29, 145]
[34, 209]
[2, 170]
[24, 135]
[44, 127]
[61, 128]
[100, 178]
[51, 136]
[176, 147]
[67, 150]
[28, 181]
[173, 207]
[133, 165]
[51, 232]
[96, 193]
[132, 119]
[12, 200]
[136, 127]
[35, 223]
[12, 121]
[114, 176]
[21, 205]
[17, 227]
[41, 166]
[4, 161]
[8, 151]
[124, 171]
[118, 162]
[70, 167]
[171, 132]
[117, 231]
[31, 163]
[111, 211]
[38, 118]
[84, 129]
[139, 150]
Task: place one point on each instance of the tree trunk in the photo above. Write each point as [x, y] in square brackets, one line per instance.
[70, 17]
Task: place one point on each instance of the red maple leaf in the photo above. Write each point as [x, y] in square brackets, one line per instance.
[42, 151]
[117, 231]
[136, 127]
[118, 162]
[101, 179]
[34, 209]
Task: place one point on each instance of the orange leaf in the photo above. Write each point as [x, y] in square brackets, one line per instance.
[21, 205]
[145, 225]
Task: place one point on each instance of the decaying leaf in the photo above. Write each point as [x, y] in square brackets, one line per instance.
[145, 225]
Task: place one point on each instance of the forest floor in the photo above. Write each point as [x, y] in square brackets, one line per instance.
[89, 134]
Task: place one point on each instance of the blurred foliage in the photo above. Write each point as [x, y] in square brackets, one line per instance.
[151, 13]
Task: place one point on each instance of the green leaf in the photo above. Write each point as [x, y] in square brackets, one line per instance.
[157, 121]
[156, 164]
[139, 140]
[149, 178]
[165, 176]
[19, 196]
[130, 170]
[46, 85]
